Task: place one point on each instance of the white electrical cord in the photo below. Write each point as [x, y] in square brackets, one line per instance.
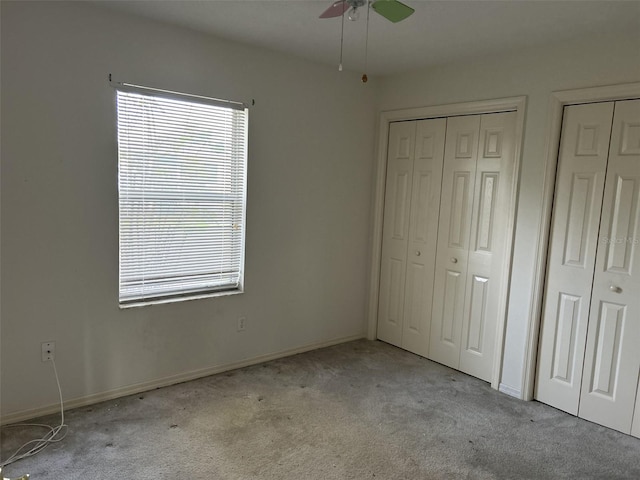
[52, 436]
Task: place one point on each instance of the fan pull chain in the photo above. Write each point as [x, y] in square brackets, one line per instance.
[366, 47]
[341, 43]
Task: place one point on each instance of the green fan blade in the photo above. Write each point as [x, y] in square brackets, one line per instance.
[392, 10]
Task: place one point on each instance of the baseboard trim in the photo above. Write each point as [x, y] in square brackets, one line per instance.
[167, 381]
[512, 392]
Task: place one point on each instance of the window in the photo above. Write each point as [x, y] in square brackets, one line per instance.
[181, 182]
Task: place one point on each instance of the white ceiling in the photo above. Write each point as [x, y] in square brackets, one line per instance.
[438, 32]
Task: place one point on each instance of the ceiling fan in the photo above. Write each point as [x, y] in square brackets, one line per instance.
[392, 10]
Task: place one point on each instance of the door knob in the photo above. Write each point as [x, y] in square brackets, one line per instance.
[454, 260]
[615, 289]
[418, 253]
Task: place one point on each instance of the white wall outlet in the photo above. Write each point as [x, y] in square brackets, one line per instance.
[48, 351]
[242, 324]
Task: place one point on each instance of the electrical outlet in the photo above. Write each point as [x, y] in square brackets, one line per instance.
[242, 324]
[48, 351]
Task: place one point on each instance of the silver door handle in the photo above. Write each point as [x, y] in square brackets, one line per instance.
[615, 289]
[418, 253]
[454, 260]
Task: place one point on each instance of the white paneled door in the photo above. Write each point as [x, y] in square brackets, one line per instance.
[412, 202]
[635, 426]
[444, 261]
[612, 359]
[454, 230]
[572, 252]
[425, 205]
[395, 232]
[470, 283]
[488, 260]
[589, 355]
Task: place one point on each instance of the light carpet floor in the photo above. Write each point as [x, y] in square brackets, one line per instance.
[359, 410]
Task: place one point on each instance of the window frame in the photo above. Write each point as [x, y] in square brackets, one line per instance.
[240, 176]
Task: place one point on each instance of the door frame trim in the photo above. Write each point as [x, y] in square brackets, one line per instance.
[510, 104]
[557, 102]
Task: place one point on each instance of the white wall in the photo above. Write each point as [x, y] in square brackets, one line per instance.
[584, 62]
[310, 161]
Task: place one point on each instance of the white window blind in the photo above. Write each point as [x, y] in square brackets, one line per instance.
[181, 179]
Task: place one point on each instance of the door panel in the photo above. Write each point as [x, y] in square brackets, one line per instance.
[395, 232]
[421, 255]
[623, 224]
[451, 307]
[606, 355]
[459, 172]
[460, 210]
[415, 300]
[635, 426]
[564, 353]
[475, 338]
[576, 215]
[401, 202]
[487, 198]
[578, 226]
[612, 357]
[395, 293]
[486, 286]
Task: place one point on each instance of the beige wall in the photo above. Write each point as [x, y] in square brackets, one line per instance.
[309, 189]
[536, 73]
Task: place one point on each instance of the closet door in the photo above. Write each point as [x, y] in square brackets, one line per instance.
[456, 206]
[421, 255]
[395, 231]
[486, 286]
[412, 203]
[442, 280]
[612, 359]
[576, 216]
[635, 426]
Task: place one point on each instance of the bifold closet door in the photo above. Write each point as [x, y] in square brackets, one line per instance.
[589, 360]
[454, 228]
[487, 282]
[635, 427]
[395, 232]
[470, 290]
[442, 274]
[582, 165]
[612, 358]
[421, 255]
[412, 201]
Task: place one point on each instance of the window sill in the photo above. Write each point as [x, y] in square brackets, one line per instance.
[160, 301]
